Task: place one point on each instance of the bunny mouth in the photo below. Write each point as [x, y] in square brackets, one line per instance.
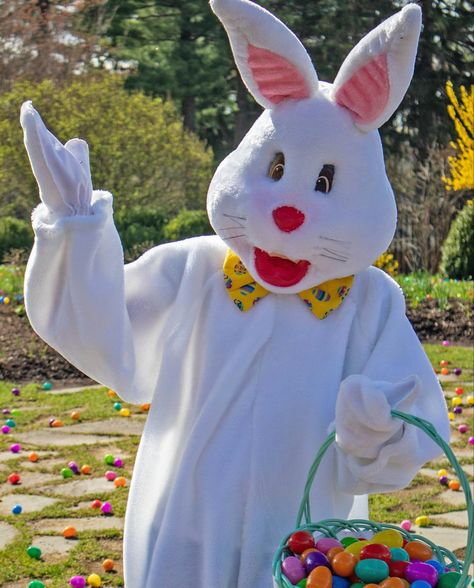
[279, 271]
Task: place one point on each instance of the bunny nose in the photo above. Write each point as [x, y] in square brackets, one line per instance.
[288, 218]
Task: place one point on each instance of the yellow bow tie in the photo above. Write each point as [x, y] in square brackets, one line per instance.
[245, 291]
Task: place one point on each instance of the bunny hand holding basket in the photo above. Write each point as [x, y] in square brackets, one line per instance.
[243, 341]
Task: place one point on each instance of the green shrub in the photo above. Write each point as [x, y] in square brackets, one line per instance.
[457, 255]
[139, 229]
[14, 234]
[188, 223]
[139, 149]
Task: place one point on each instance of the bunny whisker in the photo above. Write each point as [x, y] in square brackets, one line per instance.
[234, 216]
[234, 237]
[333, 258]
[341, 243]
[335, 252]
[228, 228]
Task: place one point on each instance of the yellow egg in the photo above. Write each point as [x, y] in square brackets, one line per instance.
[125, 412]
[356, 548]
[94, 580]
[422, 521]
[6, 300]
[451, 416]
[470, 400]
[388, 537]
[456, 401]
[442, 473]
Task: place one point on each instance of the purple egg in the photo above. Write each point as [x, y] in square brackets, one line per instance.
[77, 582]
[15, 448]
[6, 411]
[457, 371]
[118, 463]
[457, 410]
[72, 465]
[463, 428]
[314, 559]
[16, 391]
[293, 569]
[443, 480]
[5, 429]
[421, 571]
[106, 508]
[326, 543]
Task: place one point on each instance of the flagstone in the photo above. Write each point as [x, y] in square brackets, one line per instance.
[63, 439]
[53, 545]
[74, 389]
[97, 523]
[84, 485]
[7, 534]
[28, 502]
[28, 480]
[114, 426]
[456, 517]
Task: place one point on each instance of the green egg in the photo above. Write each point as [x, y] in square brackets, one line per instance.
[302, 583]
[34, 552]
[448, 580]
[346, 541]
[371, 570]
[36, 584]
[399, 554]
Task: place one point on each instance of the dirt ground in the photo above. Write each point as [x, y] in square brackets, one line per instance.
[25, 357]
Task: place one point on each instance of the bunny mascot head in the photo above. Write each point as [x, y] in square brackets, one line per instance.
[305, 198]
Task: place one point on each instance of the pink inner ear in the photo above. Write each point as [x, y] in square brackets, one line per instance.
[276, 78]
[366, 92]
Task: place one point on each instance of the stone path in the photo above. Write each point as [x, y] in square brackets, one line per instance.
[43, 488]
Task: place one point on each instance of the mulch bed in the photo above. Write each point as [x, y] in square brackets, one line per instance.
[25, 357]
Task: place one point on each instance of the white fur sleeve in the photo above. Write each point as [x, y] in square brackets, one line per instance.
[80, 300]
[378, 453]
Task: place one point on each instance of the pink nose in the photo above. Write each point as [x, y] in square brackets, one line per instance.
[288, 218]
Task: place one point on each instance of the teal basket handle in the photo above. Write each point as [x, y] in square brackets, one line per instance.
[427, 427]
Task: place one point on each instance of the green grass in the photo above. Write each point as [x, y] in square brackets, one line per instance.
[422, 285]
[423, 496]
[11, 280]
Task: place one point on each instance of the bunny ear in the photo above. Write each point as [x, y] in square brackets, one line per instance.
[376, 74]
[273, 63]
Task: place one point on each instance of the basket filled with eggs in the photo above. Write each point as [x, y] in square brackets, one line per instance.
[357, 553]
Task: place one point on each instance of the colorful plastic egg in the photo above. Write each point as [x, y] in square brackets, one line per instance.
[333, 552]
[443, 480]
[320, 577]
[454, 485]
[117, 406]
[94, 580]
[15, 448]
[300, 541]
[457, 410]
[356, 548]
[36, 584]
[10, 423]
[108, 565]
[445, 371]
[388, 537]
[111, 394]
[372, 570]
[406, 525]
[418, 550]
[72, 465]
[109, 459]
[344, 564]
[338, 582]
[34, 552]
[47, 386]
[118, 463]
[67, 473]
[306, 551]
[346, 541]
[439, 567]
[397, 568]
[14, 479]
[456, 401]
[17, 509]
[120, 482]
[33, 457]
[326, 543]
[442, 472]
[293, 569]
[75, 415]
[376, 551]
[463, 428]
[459, 391]
[106, 508]
[110, 475]
[70, 533]
[77, 582]
[457, 371]
[392, 583]
[470, 400]
[16, 391]
[422, 521]
[420, 584]
[418, 570]
[96, 503]
[86, 469]
[315, 559]
[125, 412]
[471, 440]
[5, 429]
[399, 554]
[448, 580]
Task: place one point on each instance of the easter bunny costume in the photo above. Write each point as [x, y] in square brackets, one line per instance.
[244, 394]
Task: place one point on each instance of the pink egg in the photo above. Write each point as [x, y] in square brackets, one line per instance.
[110, 476]
[293, 569]
[327, 543]
[15, 448]
[106, 508]
[406, 525]
[462, 428]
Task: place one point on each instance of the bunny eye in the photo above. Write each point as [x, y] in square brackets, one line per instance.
[277, 167]
[324, 181]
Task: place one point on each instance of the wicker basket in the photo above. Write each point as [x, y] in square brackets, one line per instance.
[331, 527]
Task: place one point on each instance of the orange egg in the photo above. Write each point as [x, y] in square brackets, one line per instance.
[418, 550]
[406, 583]
[33, 456]
[371, 585]
[320, 577]
[392, 583]
[75, 415]
[86, 469]
[445, 371]
[108, 565]
[70, 532]
[120, 482]
[145, 407]
[343, 563]
[111, 393]
[454, 485]
[306, 551]
[333, 551]
[57, 423]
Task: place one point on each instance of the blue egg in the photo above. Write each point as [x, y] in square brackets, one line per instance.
[399, 554]
[17, 509]
[436, 564]
[420, 584]
[340, 582]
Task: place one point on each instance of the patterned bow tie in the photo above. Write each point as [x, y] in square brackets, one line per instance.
[245, 291]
